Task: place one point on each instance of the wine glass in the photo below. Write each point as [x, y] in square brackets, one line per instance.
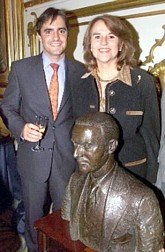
[41, 122]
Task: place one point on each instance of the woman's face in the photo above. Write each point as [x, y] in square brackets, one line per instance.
[104, 44]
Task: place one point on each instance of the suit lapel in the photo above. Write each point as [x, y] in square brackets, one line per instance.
[69, 78]
[39, 81]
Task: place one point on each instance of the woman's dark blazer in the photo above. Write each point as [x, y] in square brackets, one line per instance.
[137, 112]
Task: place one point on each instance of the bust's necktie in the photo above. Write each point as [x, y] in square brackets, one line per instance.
[53, 89]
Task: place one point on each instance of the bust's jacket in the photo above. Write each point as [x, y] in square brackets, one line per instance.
[131, 220]
[135, 108]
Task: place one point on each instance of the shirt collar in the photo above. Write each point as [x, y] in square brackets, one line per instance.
[124, 75]
[47, 61]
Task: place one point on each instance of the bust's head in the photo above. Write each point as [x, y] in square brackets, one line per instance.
[95, 138]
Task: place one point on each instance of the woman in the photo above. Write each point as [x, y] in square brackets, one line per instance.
[128, 93]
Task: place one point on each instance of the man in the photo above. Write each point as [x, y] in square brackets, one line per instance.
[44, 173]
[108, 208]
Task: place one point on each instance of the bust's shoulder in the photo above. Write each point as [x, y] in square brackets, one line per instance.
[132, 185]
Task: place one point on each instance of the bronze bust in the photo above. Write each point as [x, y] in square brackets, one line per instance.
[108, 209]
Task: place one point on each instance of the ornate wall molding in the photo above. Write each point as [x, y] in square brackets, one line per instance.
[11, 34]
[34, 2]
[111, 6]
[101, 8]
[158, 70]
[14, 29]
[139, 15]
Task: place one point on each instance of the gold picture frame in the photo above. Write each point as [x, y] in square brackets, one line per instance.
[116, 4]
[103, 7]
[11, 34]
[3, 44]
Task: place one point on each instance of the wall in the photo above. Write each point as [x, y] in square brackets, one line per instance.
[147, 17]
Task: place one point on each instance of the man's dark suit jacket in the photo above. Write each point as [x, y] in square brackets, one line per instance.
[27, 96]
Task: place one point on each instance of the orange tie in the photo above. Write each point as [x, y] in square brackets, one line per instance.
[53, 89]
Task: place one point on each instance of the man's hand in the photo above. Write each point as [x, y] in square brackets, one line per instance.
[31, 133]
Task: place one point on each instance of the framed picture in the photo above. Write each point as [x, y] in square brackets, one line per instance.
[3, 50]
[11, 37]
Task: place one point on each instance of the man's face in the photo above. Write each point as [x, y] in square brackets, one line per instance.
[54, 38]
[90, 149]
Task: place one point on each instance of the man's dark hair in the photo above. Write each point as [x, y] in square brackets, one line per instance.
[103, 121]
[50, 13]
